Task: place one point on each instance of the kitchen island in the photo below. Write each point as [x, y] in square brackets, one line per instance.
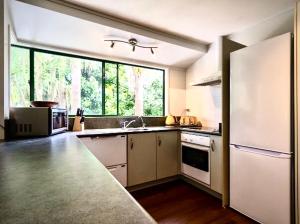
[57, 180]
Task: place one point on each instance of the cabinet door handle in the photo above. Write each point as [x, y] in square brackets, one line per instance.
[131, 144]
[159, 141]
[212, 144]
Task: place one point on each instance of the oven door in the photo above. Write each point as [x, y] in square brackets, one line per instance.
[59, 121]
[195, 161]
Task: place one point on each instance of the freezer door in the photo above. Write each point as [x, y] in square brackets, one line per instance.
[120, 173]
[260, 184]
[260, 100]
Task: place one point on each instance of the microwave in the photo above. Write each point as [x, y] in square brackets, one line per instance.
[37, 121]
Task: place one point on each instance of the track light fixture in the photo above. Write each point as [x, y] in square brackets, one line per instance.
[133, 42]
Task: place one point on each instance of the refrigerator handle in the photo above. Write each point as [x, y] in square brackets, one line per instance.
[261, 152]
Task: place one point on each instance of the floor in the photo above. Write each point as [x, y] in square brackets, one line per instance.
[178, 202]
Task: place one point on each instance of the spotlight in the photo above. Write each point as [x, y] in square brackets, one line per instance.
[112, 44]
[133, 48]
[152, 50]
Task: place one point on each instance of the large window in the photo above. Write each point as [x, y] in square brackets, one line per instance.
[99, 87]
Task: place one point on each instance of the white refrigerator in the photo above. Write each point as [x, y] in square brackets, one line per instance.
[261, 132]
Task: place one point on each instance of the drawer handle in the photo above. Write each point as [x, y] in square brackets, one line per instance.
[212, 143]
[159, 141]
[131, 144]
[112, 169]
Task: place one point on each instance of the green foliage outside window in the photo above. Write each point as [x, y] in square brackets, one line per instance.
[19, 77]
[110, 79]
[78, 82]
[91, 87]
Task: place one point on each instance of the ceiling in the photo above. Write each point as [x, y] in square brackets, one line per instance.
[40, 26]
[200, 20]
[203, 20]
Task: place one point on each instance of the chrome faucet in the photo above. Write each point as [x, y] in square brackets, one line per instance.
[125, 125]
[143, 123]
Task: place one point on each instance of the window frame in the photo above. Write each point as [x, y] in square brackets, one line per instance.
[32, 51]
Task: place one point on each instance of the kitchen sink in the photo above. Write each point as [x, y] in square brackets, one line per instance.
[137, 129]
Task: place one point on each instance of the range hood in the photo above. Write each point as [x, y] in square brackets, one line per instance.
[209, 80]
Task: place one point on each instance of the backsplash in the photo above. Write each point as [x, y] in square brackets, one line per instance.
[116, 122]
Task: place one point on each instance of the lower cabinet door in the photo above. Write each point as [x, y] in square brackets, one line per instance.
[167, 154]
[120, 173]
[141, 158]
[216, 164]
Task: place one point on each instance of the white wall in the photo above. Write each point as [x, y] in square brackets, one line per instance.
[204, 102]
[177, 93]
[4, 64]
[274, 26]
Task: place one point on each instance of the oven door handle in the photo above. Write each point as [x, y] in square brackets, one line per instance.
[195, 146]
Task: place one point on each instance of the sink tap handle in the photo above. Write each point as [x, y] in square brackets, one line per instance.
[124, 124]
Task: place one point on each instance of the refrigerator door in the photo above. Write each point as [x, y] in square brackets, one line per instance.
[260, 184]
[260, 95]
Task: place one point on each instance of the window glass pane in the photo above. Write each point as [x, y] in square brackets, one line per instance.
[19, 77]
[73, 82]
[126, 91]
[53, 78]
[110, 89]
[91, 87]
[153, 92]
[140, 91]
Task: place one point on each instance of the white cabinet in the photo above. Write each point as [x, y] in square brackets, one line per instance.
[111, 152]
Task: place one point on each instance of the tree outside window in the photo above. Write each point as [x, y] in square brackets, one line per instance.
[99, 87]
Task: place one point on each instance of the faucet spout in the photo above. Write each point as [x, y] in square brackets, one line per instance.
[143, 123]
[125, 125]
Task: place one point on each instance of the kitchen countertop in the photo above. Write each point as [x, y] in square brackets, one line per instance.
[113, 131]
[57, 180]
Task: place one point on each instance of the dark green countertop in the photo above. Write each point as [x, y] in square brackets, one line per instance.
[57, 180]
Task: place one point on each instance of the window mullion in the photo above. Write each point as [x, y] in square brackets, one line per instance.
[164, 94]
[103, 88]
[31, 75]
[118, 89]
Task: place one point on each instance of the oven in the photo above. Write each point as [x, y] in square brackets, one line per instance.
[195, 156]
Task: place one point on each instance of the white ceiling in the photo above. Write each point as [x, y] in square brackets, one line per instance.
[48, 28]
[204, 20]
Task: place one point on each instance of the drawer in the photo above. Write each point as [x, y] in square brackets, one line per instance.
[109, 150]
